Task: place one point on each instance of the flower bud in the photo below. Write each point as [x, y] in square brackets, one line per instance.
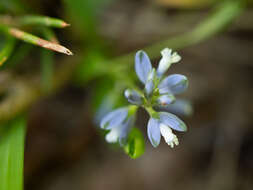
[133, 97]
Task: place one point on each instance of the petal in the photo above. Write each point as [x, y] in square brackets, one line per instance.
[124, 131]
[179, 107]
[166, 99]
[154, 134]
[166, 132]
[114, 118]
[133, 97]
[175, 57]
[149, 86]
[174, 84]
[105, 107]
[165, 62]
[172, 121]
[142, 66]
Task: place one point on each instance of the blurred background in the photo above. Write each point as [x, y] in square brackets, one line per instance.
[64, 147]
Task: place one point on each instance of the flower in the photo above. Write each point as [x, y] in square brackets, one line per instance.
[162, 126]
[168, 58]
[173, 84]
[157, 98]
[119, 122]
[159, 92]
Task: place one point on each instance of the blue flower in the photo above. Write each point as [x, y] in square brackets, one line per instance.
[157, 98]
[162, 125]
[119, 122]
[173, 84]
[170, 85]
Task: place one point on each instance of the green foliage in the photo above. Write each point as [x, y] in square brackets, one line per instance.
[12, 154]
[135, 145]
[14, 6]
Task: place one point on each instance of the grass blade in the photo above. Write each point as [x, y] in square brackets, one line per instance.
[12, 154]
[32, 39]
[7, 50]
[42, 20]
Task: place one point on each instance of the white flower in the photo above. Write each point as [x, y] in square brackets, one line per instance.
[168, 58]
[169, 137]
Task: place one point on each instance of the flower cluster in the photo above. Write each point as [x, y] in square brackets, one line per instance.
[158, 94]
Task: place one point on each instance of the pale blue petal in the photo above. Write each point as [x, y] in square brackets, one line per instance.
[133, 97]
[172, 121]
[105, 107]
[125, 129]
[142, 66]
[174, 84]
[179, 107]
[149, 86]
[154, 134]
[114, 118]
[165, 99]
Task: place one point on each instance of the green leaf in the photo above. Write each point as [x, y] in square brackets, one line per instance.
[6, 51]
[13, 6]
[135, 145]
[12, 136]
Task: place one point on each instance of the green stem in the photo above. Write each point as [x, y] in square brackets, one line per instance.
[223, 16]
[151, 112]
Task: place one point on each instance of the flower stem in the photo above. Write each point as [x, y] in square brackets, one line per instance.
[222, 17]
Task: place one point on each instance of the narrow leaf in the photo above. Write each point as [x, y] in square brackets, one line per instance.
[6, 51]
[12, 154]
[42, 20]
[32, 39]
[29, 38]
